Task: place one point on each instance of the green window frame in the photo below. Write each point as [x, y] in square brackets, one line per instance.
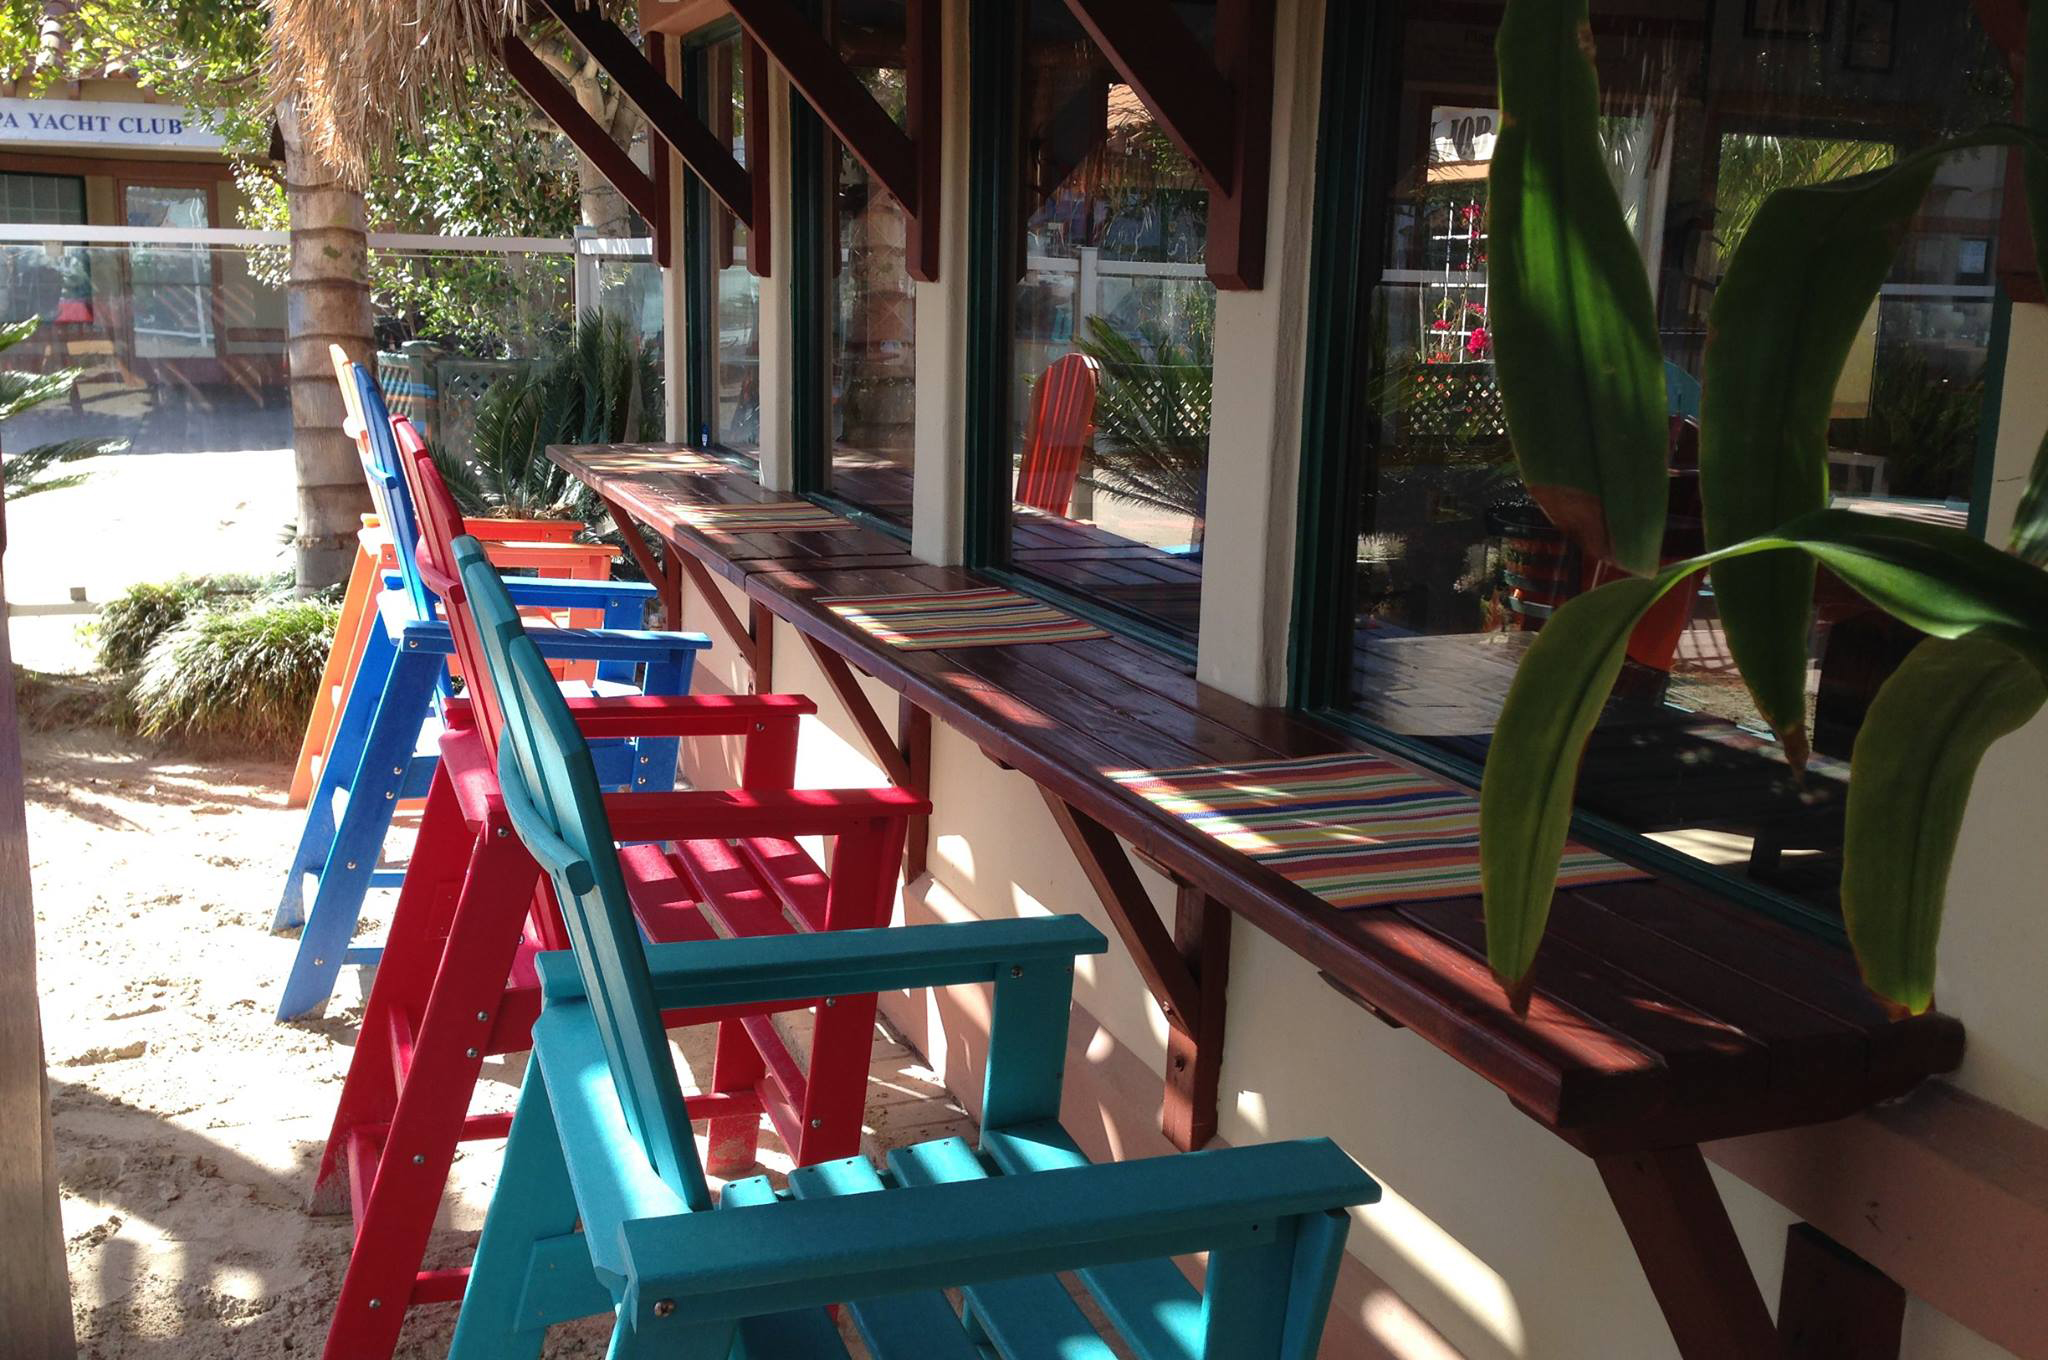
[700, 270]
[1354, 158]
[995, 41]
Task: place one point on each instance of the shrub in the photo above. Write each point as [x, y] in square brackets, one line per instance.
[245, 673]
[602, 387]
[130, 623]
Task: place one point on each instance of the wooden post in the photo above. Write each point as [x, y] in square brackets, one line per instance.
[35, 1296]
[1833, 1304]
[1194, 1051]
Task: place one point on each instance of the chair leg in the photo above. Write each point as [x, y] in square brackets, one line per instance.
[343, 758]
[359, 836]
[534, 1202]
[342, 658]
[405, 978]
[736, 1066]
[433, 1097]
[1272, 1300]
[835, 1094]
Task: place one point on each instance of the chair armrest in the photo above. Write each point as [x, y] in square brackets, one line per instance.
[500, 530]
[580, 560]
[686, 715]
[691, 974]
[615, 644]
[739, 813]
[552, 593]
[762, 1259]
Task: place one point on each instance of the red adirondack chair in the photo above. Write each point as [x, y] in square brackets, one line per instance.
[457, 981]
[1062, 424]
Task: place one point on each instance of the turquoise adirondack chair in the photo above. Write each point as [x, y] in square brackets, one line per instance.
[603, 1206]
[385, 741]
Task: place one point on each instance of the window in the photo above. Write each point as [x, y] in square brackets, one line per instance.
[1439, 566]
[728, 353]
[870, 311]
[172, 281]
[1110, 338]
[51, 200]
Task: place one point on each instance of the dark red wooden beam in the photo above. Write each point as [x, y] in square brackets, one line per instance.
[906, 164]
[835, 92]
[1168, 70]
[924, 56]
[582, 130]
[658, 45]
[665, 110]
[755, 64]
[1218, 111]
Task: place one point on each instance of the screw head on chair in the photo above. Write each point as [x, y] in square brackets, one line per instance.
[664, 1307]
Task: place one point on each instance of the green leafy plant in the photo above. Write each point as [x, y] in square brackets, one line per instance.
[602, 387]
[128, 625]
[1924, 427]
[25, 471]
[245, 673]
[1571, 345]
[1151, 415]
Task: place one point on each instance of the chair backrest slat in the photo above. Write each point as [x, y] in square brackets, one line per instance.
[387, 486]
[545, 771]
[1062, 421]
[441, 524]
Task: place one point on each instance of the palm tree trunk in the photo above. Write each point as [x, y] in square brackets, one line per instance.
[327, 302]
[600, 207]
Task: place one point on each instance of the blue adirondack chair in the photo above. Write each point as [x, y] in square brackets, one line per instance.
[603, 1207]
[384, 747]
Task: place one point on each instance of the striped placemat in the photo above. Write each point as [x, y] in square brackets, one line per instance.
[992, 617]
[760, 519]
[1355, 830]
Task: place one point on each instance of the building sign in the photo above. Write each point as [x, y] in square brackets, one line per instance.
[1459, 136]
[84, 122]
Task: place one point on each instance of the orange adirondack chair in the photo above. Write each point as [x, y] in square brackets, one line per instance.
[1062, 425]
[547, 546]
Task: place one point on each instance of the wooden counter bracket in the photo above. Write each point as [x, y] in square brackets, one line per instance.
[1688, 1249]
[905, 757]
[880, 743]
[755, 641]
[1218, 110]
[905, 161]
[1185, 970]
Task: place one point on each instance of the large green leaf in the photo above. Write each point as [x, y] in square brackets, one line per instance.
[1909, 781]
[1525, 799]
[1574, 329]
[1943, 581]
[2030, 521]
[1784, 320]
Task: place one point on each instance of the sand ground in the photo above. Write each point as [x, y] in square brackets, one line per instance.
[188, 1123]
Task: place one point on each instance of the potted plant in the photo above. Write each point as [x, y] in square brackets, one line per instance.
[1581, 374]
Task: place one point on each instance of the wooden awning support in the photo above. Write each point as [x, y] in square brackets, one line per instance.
[668, 115]
[1186, 970]
[1218, 111]
[585, 134]
[905, 162]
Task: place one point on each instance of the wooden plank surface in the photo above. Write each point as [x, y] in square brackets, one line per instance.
[1660, 1015]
